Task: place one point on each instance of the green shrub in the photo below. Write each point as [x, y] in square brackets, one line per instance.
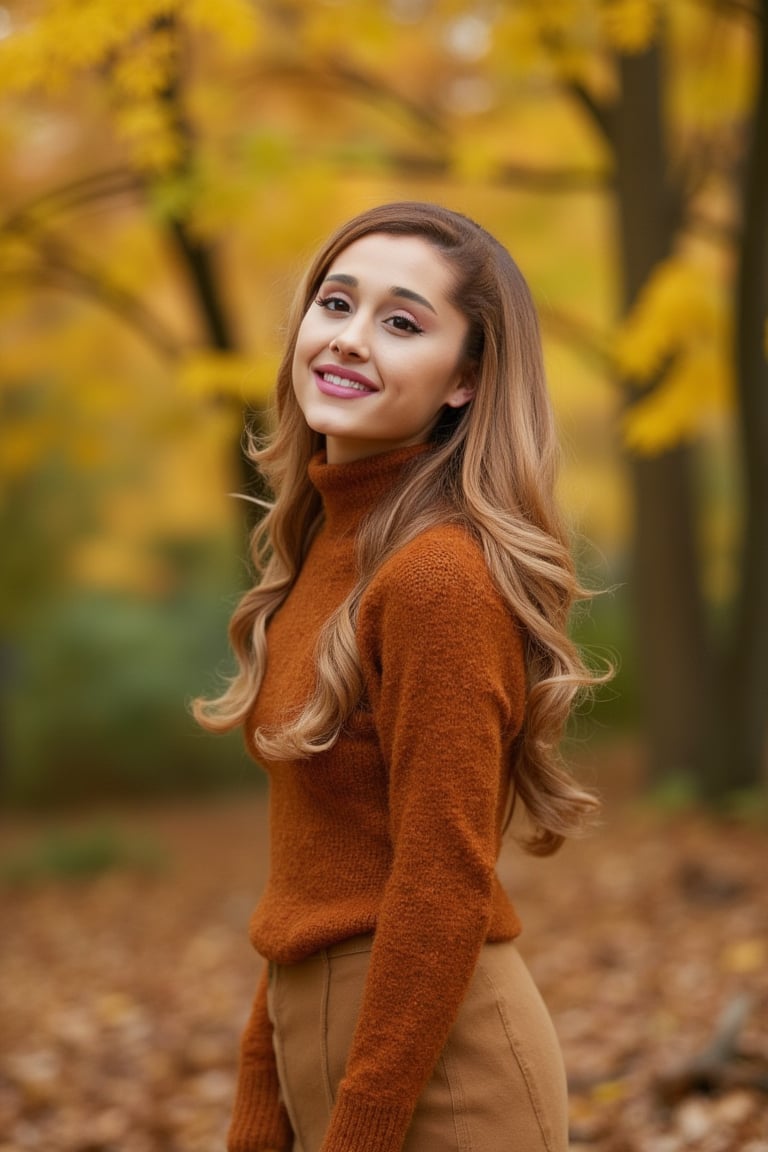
[79, 855]
[97, 704]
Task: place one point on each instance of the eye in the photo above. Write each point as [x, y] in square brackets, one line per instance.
[333, 303]
[403, 323]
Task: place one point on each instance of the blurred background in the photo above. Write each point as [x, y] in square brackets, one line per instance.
[167, 168]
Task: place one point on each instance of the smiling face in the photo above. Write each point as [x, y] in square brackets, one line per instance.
[380, 351]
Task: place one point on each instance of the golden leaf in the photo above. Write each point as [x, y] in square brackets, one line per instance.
[234, 23]
[694, 389]
[744, 956]
[629, 25]
[148, 128]
[608, 1091]
[681, 305]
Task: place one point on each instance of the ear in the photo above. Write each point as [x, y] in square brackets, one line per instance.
[465, 389]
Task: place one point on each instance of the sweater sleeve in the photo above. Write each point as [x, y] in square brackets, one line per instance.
[444, 666]
[259, 1119]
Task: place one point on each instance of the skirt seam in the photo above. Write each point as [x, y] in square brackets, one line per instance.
[522, 1063]
[456, 1090]
[277, 1046]
[325, 1057]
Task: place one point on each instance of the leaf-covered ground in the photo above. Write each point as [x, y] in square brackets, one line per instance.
[122, 994]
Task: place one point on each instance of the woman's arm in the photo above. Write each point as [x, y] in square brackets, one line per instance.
[444, 667]
[259, 1120]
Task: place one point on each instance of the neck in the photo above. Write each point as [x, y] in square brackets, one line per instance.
[350, 490]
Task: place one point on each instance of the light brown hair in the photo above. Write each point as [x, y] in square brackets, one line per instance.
[493, 469]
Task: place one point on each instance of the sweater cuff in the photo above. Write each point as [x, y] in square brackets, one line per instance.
[359, 1124]
[259, 1119]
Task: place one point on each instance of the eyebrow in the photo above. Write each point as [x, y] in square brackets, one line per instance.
[403, 293]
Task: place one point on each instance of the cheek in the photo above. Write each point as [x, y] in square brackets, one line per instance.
[301, 340]
[439, 377]
[307, 334]
[305, 346]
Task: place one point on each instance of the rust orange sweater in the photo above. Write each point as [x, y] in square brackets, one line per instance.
[395, 830]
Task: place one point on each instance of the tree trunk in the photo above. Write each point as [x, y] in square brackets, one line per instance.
[669, 611]
[198, 257]
[202, 276]
[738, 761]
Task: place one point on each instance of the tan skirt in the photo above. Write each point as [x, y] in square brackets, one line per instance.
[499, 1085]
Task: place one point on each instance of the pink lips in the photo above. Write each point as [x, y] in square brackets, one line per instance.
[343, 382]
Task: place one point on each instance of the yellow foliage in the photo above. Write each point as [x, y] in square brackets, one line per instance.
[235, 23]
[182, 492]
[208, 373]
[516, 41]
[629, 25]
[132, 257]
[715, 67]
[219, 197]
[695, 388]
[476, 156]
[574, 31]
[88, 451]
[682, 304]
[681, 326]
[148, 128]
[576, 62]
[148, 68]
[283, 144]
[22, 448]
[558, 16]
[69, 35]
[17, 257]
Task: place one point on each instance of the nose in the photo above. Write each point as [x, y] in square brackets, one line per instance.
[351, 339]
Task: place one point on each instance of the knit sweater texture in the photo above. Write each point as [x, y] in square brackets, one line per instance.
[396, 829]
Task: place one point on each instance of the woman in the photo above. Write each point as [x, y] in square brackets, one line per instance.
[404, 676]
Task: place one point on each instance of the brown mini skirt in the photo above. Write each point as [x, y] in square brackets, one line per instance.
[499, 1085]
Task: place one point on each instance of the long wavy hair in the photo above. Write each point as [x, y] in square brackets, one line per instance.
[492, 469]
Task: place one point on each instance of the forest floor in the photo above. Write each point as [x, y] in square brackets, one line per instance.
[126, 976]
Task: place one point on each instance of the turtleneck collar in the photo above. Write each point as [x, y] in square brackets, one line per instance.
[349, 491]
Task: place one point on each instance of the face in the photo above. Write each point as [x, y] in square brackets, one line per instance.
[380, 350]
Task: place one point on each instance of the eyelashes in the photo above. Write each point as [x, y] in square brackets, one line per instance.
[399, 321]
[330, 302]
[405, 324]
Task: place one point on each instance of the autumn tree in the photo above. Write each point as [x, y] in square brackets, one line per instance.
[676, 160]
[706, 692]
[241, 115]
[738, 744]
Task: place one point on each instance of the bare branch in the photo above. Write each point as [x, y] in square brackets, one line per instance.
[347, 75]
[531, 179]
[59, 263]
[125, 308]
[591, 345]
[96, 186]
[554, 179]
[342, 76]
[58, 268]
[601, 115]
